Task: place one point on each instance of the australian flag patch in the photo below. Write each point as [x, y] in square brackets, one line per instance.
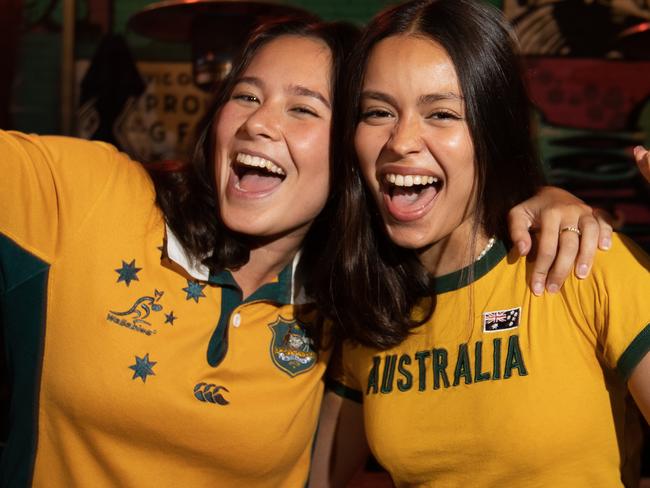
[499, 320]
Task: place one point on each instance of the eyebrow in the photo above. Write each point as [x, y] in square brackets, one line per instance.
[435, 97]
[251, 80]
[299, 90]
[303, 91]
[422, 100]
[379, 96]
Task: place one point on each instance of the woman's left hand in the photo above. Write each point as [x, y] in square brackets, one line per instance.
[569, 233]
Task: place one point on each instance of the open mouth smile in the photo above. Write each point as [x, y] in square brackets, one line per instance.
[408, 197]
[255, 175]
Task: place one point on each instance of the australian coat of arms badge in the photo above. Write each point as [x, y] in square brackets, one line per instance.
[291, 347]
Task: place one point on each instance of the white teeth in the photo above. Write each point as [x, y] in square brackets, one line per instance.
[258, 162]
[410, 180]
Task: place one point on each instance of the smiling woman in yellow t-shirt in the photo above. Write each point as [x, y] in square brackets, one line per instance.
[462, 376]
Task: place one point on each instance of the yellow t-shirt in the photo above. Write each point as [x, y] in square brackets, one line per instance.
[129, 369]
[505, 389]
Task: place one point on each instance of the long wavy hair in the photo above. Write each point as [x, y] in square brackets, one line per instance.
[187, 194]
[367, 284]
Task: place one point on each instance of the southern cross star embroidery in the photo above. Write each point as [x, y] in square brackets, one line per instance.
[128, 272]
[194, 291]
[170, 317]
[142, 367]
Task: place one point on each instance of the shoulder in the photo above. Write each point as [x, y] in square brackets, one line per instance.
[625, 258]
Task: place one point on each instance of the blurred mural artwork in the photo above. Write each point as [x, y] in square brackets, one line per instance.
[588, 69]
[154, 119]
[152, 106]
[162, 121]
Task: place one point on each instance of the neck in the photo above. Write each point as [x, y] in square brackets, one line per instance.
[265, 263]
[453, 252]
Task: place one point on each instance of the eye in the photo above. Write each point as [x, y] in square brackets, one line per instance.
[444, 115]
[304, 110]
[245, 97]
[375, 113]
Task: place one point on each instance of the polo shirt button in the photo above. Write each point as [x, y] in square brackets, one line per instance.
[236, 320]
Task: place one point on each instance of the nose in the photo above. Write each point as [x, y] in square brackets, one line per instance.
[406, 137]
[263, 122]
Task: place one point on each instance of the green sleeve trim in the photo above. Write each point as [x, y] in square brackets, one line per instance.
[343, 391]
[23, 308]
[634, 353]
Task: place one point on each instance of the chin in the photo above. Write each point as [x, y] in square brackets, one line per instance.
[409, 239]
[244, 224]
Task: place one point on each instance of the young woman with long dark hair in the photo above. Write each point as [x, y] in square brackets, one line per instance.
[458, 374]
[152, 327]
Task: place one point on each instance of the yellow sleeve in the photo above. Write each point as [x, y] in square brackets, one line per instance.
[615, 300]
[48, 186]
[340, 379]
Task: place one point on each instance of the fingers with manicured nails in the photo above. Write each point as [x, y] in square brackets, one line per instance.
[546, 249]
[519, 224]
[642, 158]
[568, 247]
[590, 231]
[605, 229]
[558, 254]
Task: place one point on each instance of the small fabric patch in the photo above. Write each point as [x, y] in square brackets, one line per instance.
[499, 320]
[291, 347]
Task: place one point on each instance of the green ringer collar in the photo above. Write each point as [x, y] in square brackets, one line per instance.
[463, 277]
[279, 291]
[231, 297]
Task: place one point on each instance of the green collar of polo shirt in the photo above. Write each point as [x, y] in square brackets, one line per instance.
[473, 272]
[231, 297]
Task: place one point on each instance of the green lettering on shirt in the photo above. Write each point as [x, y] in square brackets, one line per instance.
[496, 359]
[389, 373]
[463, 368]
[422, 369]
[440, 368]
[514, 358]
[406, 383]
[479, 375]
[373, 376]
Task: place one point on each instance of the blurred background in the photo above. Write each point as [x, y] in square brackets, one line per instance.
[138, 74]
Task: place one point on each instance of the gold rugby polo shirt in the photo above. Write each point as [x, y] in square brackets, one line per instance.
[129, 367]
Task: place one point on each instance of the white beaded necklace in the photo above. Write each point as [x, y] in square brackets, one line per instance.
[487, 247]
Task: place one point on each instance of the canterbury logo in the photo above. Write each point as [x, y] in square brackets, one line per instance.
[208, 392]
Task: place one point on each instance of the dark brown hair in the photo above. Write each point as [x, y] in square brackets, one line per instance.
[187, 195]
[367, 284]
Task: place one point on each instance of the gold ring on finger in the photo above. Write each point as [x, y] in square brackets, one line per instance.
[571, 228]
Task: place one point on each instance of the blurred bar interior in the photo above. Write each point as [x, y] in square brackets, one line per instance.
[139, 74]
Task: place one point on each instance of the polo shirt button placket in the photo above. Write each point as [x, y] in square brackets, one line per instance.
[236, 320]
